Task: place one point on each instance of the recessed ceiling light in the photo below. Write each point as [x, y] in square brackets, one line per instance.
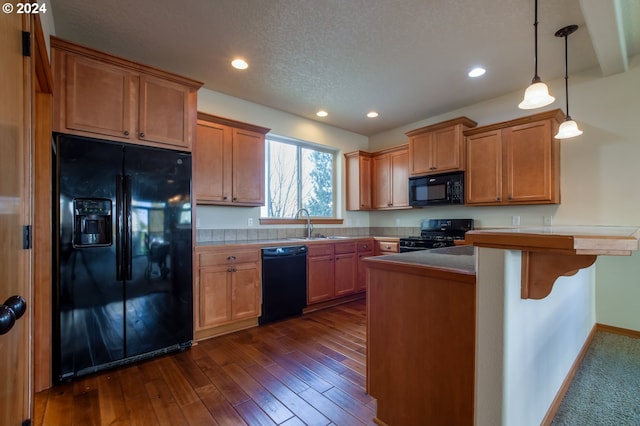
[322, 113]
[240, 64]
[477, 72]
[372, 114]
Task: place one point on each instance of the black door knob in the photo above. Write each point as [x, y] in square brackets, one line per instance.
[7, 319]
[17, 304]
[13, 308]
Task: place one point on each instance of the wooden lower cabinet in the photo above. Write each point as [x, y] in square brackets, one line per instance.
[387, 246]
[320, 273]
[420, 344]
[365, 249]
[345, 274]
[332, 271]
[228, 288]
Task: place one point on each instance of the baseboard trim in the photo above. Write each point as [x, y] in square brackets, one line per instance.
[555, 405]
[617, 330]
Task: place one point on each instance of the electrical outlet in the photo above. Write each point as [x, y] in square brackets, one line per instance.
[547, 220]
[515, 220]
[250, 221]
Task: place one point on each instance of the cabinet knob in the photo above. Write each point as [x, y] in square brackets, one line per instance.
[510, 198]
[126, 133]
[142, 134]
[231, 257]
[387, 247]
[497, 198]
[366, 246]
[235, 198]
[225, 197]
[229, 269]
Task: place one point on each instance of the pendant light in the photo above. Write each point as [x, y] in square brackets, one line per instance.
[537, 94]
[568, 128]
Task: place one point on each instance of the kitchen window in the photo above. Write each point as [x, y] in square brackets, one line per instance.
[298, 175]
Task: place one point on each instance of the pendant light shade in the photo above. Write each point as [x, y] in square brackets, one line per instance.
[569, 128]
[537, 94]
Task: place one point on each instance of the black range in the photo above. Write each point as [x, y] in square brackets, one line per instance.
[435, 233]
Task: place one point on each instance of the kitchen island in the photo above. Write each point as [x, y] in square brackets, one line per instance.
[492, 344]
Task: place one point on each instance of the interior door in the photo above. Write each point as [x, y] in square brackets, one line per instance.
[15, 351]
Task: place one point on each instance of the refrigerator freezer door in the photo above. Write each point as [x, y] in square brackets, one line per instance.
[158, 298]
[91, 316]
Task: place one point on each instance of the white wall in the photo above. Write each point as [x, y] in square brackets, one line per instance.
[600, 177]
[281, 124]
[526, 347]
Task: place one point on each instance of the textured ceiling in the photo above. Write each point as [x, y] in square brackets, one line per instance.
[406, 59]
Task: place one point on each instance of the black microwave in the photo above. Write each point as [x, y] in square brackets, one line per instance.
[446, 188]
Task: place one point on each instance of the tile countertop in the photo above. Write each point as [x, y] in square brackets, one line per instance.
[593, 240]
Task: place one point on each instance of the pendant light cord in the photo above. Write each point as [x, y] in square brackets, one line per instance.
[536, 78]
[566, 73]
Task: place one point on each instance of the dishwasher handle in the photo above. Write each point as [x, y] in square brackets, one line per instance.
[283, 251]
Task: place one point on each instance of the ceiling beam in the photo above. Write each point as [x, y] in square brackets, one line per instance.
[604, 21]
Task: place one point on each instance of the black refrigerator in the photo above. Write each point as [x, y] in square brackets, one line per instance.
[122, 251]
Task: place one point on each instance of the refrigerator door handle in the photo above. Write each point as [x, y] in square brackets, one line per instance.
[128, 233]
[119, 227]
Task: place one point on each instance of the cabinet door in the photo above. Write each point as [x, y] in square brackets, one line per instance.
[400, 178]
[361, 285]
[345, 274]
[483, 178]
[381, 171]
[212, 163]
[248, 167]
[214, 302]
[358, 168]
[528, 162]
[320, 279]
[245, 291]
[99, 99]
[447, 150]
[164, 112]
[420, 150]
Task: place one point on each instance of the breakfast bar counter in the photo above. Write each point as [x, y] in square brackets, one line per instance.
[484, 334]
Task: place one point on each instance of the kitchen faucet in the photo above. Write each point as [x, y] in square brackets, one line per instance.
[309, 225]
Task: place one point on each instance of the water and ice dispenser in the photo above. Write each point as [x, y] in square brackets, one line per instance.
[92, 222]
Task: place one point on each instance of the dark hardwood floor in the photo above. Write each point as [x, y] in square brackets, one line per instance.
[308, 370]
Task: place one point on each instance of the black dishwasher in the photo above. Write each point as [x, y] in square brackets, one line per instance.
[284, 282]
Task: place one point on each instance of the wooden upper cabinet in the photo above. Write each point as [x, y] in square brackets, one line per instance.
[438, 148]
[229, 162]
[248, 167]
[483, 178]
[514, 162]
[164, 112]
[102, 96]
[390, 177]
[358, 171]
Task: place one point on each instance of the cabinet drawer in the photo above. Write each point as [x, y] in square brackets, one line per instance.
[228, 257]
[364, 246]
[319, 250]
[388, 246]
[347, 247]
